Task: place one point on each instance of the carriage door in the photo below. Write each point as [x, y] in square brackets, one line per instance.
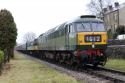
[67, 37]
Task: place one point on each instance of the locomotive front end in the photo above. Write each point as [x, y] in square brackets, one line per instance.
[91, 43]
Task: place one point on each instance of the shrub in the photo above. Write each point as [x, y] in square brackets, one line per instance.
[1, 61]
[1, 56]
[120, 30]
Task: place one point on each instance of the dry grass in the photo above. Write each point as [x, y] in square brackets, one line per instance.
[23, 70]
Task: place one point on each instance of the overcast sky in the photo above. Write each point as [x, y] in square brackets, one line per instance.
[39, 16]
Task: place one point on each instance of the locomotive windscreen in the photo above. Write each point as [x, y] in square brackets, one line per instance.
[98, 26]
[90, 26]
[83, 27]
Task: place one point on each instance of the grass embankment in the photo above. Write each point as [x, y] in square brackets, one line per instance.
[23, 70]
[118, 64]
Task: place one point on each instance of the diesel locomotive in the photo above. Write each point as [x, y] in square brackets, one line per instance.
[80, 41]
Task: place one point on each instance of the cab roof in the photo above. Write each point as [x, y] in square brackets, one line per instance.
[85, 18]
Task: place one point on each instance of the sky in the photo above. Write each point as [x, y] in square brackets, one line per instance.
[38, 16]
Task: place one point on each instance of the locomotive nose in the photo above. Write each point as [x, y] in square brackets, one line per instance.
[90, 40]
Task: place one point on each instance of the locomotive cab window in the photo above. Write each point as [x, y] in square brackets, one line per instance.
[83, 27]
[98, 26]
[90, 26]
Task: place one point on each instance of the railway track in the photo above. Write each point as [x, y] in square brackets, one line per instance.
[116, 46]
[114, 76]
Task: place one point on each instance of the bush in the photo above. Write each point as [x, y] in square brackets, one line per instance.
[1, 56]
[1, 61]
[120, 30]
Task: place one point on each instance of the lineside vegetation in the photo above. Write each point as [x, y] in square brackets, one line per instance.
[8, 36]
[118, 64]
[24, 70]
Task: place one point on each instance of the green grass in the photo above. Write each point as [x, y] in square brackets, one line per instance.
[118, 64]
[23, 70]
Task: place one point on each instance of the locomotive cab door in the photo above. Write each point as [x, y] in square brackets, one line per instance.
[67, 37]
[72, 37]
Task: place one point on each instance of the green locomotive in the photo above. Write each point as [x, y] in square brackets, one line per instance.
[80, 41]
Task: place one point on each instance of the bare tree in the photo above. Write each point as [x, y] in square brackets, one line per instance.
[28, 37]
[96, 7]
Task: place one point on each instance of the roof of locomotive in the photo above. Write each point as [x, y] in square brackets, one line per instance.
[85, 18]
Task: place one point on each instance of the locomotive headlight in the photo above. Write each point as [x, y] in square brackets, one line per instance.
[93, 38]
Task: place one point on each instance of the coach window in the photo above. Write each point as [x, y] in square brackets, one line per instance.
[54, 34]
[60, 32]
